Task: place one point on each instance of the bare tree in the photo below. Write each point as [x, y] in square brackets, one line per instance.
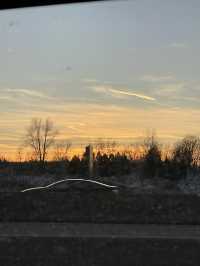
[106, 146]
[62, 150]
[150, 142]
[187, 151]
[3, 158]
[137, 150]
[40, 136]
[19, 155]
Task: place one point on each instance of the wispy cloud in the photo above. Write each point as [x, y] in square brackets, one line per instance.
[170, 89]
[75, 120]
[178, 45]
[89, 80]
[157, 78]
[6, 98]
[116, 93]
[26, 92]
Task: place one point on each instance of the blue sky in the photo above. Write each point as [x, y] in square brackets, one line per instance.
[110, 69]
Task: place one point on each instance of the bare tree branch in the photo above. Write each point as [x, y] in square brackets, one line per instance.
[40, 136]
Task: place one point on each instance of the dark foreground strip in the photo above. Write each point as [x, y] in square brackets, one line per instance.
[87, 230]
[99, 207]
[98, 245]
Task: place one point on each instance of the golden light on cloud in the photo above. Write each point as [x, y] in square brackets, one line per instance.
[116, 92]
[81, 123]
[144, 97]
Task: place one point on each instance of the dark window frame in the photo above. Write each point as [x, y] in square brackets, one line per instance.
[10, 4]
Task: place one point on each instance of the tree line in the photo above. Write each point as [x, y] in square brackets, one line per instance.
[149, 162]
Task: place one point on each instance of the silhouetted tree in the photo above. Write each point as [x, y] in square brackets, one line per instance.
[103, 165]
[186, 155]
[40, 136]
[3, 161]
[152, 157]
[112, 164]
[74, 165]
[120, 165]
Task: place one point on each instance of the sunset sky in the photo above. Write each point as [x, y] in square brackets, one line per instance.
[111, 70]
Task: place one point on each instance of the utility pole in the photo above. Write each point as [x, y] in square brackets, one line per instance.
[89, 152]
